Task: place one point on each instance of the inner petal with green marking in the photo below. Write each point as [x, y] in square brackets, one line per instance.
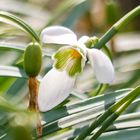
[69, 59]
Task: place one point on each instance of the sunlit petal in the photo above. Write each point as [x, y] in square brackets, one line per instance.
[58, 35]
[102, 66]
[83, 39]
[54, 88]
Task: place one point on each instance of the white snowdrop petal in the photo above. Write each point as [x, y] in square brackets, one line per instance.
[83, 49]
[81, 44]
[54, 88]
[58, 35]
[83, 39]
[103, 68]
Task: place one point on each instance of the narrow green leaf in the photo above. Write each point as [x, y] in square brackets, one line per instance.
[75, 13]
[6, 106]
[12, 72]
[21, 48]
[79, 112]
[112, 111]
[58, 12]
[129, 134]
[17, 22]
[94, 102]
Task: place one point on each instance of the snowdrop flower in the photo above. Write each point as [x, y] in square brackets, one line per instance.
[69, 61]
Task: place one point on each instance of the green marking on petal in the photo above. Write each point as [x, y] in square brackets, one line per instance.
[75, 67]
[61, 58]
[69, 59]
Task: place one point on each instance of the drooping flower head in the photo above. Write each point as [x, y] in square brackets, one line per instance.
[69, 61]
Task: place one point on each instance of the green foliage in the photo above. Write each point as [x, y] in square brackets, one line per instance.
[13, 20]
[97, 110]
[20, 132]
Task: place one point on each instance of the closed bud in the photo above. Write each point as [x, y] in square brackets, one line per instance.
[32, 59]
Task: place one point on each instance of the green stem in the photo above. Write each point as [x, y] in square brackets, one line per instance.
[111, 110]
[100, 89]
[112, 118]
[103, 88]
[116, 27]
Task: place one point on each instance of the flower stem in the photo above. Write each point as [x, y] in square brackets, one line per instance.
[100, 89]
[131, 95]
[33, 104]
[116, 27]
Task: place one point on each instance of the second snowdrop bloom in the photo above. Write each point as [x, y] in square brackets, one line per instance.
[69, 61]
